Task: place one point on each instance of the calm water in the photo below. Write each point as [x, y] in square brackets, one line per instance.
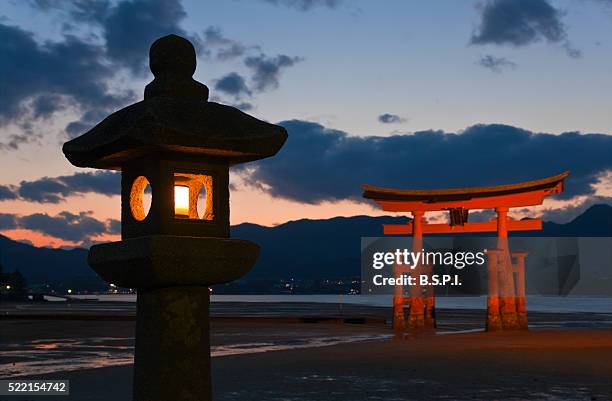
[534, 303]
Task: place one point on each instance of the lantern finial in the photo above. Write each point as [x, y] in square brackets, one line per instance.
[172, 60]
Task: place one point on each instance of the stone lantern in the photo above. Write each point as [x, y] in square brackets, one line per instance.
[182, 146]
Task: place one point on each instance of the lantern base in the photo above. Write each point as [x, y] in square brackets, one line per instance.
[158, 261]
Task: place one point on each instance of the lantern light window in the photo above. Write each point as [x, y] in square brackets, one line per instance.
[193, 196]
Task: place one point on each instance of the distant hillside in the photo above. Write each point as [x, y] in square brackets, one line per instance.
[57, 267]
[309, 248]
[304, 249]
[596, 221]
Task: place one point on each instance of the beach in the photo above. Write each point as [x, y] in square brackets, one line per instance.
[527, 366]
[327, 354]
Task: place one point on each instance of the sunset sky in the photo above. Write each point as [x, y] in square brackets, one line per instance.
[399, 93]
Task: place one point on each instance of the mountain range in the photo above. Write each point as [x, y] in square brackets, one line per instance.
[303, 249]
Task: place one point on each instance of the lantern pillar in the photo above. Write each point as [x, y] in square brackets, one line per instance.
[172, 353]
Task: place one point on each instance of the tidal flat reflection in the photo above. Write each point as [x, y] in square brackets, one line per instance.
[40, 357]
[44, 356]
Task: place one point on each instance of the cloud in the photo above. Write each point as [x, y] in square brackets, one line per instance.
[7, 221]
[244, 106]
[87, 121]
[114, 226]
[233, 84]
[67, 226]
[267, 70]
[390, 119]
[77, 73]
[320, 164]
[7, 193]
[226, 49]
[14, 141]
[306, 5]
[495, 64]
[482, 215]
[131, 26]
[78, 10]
[128, 27]
[50, 76]
[520, 23]
[81, 227]
[264, 71]
[56, 189]
[570, 212]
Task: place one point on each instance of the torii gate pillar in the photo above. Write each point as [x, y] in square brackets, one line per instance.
[507, 293]
[521, 308]
[493, 317]
[416, 317]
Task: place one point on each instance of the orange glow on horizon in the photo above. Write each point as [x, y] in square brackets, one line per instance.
[42, 240]
[250, 205]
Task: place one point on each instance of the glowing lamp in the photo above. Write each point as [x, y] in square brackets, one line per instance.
[181, 201]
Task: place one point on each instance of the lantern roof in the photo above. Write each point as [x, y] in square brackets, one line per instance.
[175, 118]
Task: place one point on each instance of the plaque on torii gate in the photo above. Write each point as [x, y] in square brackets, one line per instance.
[506, 298]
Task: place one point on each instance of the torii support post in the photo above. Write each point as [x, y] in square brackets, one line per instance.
[430, 301]
[521, 307]
[506, 277]
[416, 316]
[399, 324]
[493, 316]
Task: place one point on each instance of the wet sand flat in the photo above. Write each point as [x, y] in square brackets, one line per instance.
[545, 365]
[42, 347]
[538, 365]
[279, 359]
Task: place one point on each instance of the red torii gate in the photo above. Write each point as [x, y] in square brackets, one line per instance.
[506, 296]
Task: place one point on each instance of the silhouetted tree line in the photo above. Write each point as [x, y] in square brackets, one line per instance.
[12, 284]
